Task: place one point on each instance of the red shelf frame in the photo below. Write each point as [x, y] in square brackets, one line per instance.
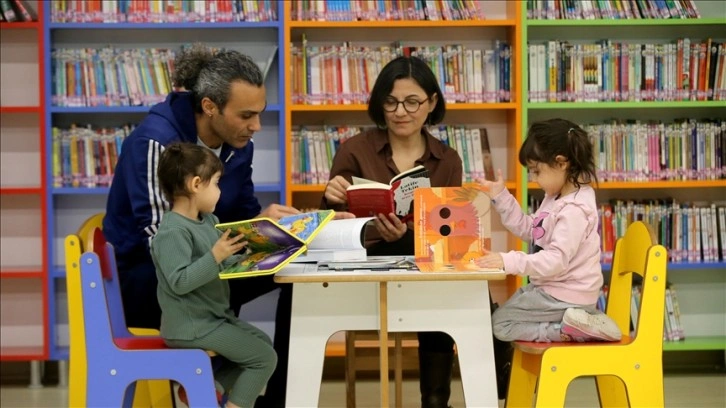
[33, 272]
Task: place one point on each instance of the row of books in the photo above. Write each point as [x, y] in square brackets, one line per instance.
[313, 150]
[610, 9]
[612, 71]
[638, 151]
[12, 11]
[110, 76]
[85, 157]
[390, 10]
[672, 326]
[345, 74]
[162, 11]
[692, 232]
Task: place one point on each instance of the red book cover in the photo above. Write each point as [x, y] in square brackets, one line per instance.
[368, 198]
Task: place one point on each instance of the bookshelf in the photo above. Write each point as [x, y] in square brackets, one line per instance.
[68, 206]
[700, 285]
[502, 120]
[23, 260]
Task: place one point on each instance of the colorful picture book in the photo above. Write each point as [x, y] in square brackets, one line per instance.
[368, 198]
[273, 244]
[453, 227]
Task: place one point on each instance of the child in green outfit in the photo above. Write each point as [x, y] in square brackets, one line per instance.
[189, 253]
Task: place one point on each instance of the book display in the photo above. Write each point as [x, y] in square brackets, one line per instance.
[106, 63]
[23, 261]
[649, 89]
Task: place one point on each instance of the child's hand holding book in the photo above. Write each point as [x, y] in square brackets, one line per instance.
[226, 246]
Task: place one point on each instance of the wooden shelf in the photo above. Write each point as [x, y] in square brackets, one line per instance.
[22, 353]
[19, 109]
[19, 190]
[364, 107]
[403, 24]
[626, 105]
[696, 343]
[626, 185]
[319, 188]
[625, 22]
[22, 272]
[21, 25]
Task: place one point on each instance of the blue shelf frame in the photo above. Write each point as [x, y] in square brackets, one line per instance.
[163, 26]
[57, 273]
[273, 107]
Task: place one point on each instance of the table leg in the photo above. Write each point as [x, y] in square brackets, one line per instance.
[461, 309]
[318, 311]
[383, 341]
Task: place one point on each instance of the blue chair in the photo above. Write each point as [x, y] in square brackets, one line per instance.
[115, 357]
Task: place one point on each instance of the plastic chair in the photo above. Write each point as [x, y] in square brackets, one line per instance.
[628, 372]
[115, 358]
[146, 393]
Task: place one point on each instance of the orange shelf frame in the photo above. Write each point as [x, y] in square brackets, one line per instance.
[398, 23]
[363, 107]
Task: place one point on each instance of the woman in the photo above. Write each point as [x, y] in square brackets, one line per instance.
[405, 98]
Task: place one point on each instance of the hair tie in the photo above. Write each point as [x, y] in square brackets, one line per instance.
[571, 130]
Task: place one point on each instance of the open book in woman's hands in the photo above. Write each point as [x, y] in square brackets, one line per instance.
[368, 198]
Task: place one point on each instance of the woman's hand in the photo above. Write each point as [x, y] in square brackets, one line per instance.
[390, 227]
[490, 260]
[226, 246]
[493, 187]
[335, 190]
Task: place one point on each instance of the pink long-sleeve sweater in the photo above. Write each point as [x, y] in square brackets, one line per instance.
[564, 238]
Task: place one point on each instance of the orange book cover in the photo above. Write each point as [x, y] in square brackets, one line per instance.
[452, 227]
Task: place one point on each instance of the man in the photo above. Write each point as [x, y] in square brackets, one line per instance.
[219, 108]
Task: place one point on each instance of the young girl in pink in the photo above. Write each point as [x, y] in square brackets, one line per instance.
[563, 265]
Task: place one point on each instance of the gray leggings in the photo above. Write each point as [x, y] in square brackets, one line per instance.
[532, 315]
[249, 359]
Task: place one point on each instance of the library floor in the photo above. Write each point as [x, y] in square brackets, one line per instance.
[682, 390]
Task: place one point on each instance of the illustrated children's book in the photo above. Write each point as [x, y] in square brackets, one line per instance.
[273, 244]
[452, 227]
[368, 198]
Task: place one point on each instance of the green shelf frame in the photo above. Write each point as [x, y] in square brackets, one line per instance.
[625, 22]
[696, 343]
[626, 105]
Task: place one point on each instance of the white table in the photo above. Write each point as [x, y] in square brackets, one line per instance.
[325, 302]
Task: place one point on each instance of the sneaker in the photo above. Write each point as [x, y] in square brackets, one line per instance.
[582, 326]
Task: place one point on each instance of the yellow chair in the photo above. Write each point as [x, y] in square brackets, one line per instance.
[628, 372]
[148, 393]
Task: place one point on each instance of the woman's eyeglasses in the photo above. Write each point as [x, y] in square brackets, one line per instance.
[410, 105]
